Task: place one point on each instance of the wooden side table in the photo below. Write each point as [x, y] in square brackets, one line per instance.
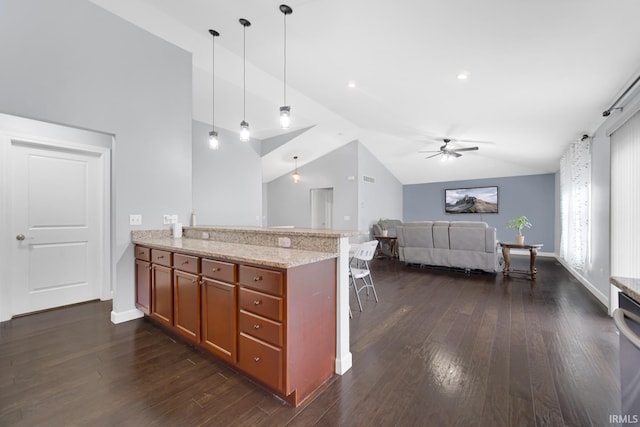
[393, 246]
[533, 251]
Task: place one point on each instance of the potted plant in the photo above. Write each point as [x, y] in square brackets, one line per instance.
[382, 222]
[518, 224]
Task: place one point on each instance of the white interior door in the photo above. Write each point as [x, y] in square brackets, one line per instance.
[321, 207]
[57, 217]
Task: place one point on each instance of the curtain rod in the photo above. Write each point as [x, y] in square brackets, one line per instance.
[606, 112]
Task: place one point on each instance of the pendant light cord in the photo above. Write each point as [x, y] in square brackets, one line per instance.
[244, 73]
[285, 59]
[213, 84]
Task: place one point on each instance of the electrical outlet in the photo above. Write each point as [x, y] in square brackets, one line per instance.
[166, 219]
[174, 219]
[135, 219]
[284, 242]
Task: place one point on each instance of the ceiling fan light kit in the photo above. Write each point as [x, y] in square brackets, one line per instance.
[447, 152]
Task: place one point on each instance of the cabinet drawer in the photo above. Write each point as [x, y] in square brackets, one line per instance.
[143, 253]
[262, 279]
[261, 327]
[261, 303]
[218, 270]
[186, 263]
[161, 257]
[261, 360]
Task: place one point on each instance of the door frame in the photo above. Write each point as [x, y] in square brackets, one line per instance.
[48, 135]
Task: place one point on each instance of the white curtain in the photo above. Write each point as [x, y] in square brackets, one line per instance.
[625, 199]
[575, 191]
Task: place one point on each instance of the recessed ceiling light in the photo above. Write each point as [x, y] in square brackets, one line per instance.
[351, 84]
[463, 75]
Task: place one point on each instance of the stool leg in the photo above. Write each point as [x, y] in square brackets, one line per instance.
[356, 290]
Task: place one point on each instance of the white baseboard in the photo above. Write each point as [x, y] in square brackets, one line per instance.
[344, 364]
[587, 284]
[125, 316]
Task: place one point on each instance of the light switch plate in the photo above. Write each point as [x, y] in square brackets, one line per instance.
[135, 219]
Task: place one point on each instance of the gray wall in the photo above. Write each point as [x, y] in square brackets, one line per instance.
[289, 203]
[356, 204]
[532, 195]
[227, 183]
[380, 199]
[598, 267]
[71, 62]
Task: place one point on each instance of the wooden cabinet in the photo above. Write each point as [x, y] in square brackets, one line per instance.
[219, 328]
[186, 296]
[276, 325]
[261, 303]
[218, 311]
[143, 279]
[162, 286]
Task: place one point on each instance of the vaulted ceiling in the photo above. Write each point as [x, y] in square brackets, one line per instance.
[540, 73]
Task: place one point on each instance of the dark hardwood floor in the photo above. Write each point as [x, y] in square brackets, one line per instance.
[440, 348]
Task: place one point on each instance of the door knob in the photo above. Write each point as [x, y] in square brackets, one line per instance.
[20, 237]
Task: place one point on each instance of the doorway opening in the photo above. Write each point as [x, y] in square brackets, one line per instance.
[321, 207]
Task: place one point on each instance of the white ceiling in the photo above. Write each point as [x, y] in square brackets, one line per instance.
[540, 75]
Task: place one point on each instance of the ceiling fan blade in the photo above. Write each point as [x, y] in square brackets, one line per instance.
[429, 151]
[433, 155]
[465, 149]
[454, 154]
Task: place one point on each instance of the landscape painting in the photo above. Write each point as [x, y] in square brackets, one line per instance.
[471, 200]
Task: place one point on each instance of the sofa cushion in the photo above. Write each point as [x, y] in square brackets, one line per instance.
[421, 237]
[441, 234]
[466, 237]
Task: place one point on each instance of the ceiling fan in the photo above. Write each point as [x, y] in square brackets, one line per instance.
[447, 151]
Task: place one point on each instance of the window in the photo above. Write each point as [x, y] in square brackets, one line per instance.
[625, 199]
[575, 190]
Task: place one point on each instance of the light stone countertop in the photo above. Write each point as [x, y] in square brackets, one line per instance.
[628, 285]
[237, 252]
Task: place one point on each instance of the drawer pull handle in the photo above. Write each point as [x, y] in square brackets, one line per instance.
[149, 268]
[256, 326]
[256, 359]
[194, 281]
[257, 278]
[257, 302]
[160, 257]
[215, 269]
[184, 262]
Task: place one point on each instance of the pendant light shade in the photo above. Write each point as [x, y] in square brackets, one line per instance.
[214, 143]
[245, 134]
[296, 175]
[285, 110]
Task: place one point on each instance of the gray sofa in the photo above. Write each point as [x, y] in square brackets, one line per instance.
[460, 244]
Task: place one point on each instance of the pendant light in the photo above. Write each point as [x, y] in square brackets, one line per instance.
[214, 143]
[296, 175]
[285, 110]
[245, 135]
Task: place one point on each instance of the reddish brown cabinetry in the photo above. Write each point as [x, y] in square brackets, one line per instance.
[261, 316]
[143, 279]
[162, 286]
[186, 296]
[218, 311]
[276, 325]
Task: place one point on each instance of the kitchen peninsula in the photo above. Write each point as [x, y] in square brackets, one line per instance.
[272, 302]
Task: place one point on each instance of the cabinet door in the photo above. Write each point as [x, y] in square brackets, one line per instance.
[219, 329]
[162, 294]
[143, 286]
[186, 305]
